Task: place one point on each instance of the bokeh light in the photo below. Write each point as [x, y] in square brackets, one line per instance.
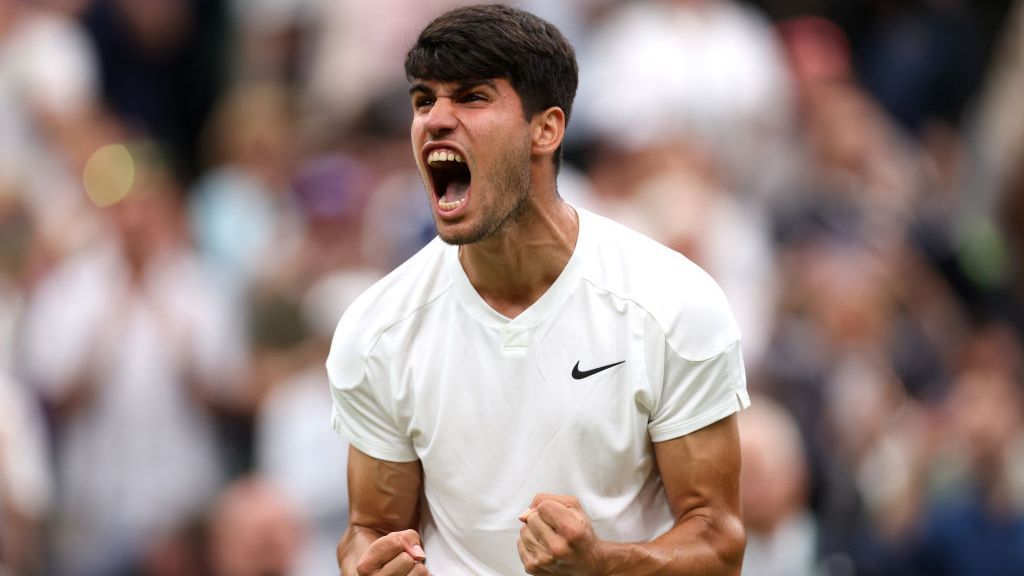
[109, 174]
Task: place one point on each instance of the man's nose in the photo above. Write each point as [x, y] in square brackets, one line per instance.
[441, 118]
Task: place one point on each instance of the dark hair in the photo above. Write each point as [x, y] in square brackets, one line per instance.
[497, 41]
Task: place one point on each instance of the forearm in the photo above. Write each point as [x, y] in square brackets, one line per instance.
[384, 504]
[698, 545]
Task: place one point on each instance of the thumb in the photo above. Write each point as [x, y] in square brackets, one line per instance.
[411, 542]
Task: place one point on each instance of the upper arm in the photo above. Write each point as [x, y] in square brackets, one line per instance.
[383, 496]
[700, 472]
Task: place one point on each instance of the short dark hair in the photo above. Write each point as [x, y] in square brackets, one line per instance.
[497, 41]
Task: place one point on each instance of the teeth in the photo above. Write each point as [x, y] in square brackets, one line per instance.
[442, 155]
[449, 206]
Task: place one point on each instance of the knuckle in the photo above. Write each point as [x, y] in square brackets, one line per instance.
[570, 532]
[560, 549]
[548, 506]
[364, 567]
[523, 555]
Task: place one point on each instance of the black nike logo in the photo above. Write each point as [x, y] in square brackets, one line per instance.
[581, 374]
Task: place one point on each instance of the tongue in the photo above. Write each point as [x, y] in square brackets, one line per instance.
[456, 191]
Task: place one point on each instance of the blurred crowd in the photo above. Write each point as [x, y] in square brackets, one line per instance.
[192, 191]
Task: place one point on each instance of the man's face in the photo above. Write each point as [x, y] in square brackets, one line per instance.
[472, 145]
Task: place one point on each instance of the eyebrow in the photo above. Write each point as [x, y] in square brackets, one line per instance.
[423, 88]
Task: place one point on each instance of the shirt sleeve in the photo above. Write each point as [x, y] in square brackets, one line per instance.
[360, 410]
[693, 393]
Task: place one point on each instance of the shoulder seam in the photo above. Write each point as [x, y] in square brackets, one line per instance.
[660, 326]
[390, 325]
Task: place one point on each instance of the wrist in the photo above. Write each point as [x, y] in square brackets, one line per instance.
[606, 556]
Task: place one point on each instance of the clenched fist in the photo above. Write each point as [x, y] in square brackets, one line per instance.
[557, 537]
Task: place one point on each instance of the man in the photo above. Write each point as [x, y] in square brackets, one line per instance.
[539, 389]
[131, 344]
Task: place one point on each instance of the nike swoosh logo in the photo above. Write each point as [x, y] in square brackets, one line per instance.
[581, 374]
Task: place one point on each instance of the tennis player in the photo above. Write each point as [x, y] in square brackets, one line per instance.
[539, 390]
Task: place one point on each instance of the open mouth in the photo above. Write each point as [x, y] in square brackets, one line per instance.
[450, 177]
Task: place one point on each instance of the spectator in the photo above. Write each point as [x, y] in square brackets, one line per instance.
[254, 530]
[833, 364]
[782, 537]
[131, 366]
[163, 65]
[861, 176]
[242, 212]
[975, 522]
[49, 108]
[297, 452]
[705, 71]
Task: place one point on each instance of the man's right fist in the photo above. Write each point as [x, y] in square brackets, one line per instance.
[396, 554]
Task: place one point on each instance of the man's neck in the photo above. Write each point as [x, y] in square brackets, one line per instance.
[512, 269]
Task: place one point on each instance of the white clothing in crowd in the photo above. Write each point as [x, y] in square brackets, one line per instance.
[141, 455]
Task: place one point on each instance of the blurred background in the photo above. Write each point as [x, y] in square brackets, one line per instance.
[192, 191]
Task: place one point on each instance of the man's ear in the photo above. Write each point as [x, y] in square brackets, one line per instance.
[548, 131]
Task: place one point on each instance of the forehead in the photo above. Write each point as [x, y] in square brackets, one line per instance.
[436, 86]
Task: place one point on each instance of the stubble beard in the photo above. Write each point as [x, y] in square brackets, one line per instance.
[511, 188]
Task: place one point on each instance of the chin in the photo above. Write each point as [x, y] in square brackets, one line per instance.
[459, 235]
[456, 239]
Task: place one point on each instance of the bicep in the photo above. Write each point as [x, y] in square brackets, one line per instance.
[700, 472]
[383, 495]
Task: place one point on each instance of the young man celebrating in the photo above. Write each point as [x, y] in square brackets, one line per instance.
[539, 389]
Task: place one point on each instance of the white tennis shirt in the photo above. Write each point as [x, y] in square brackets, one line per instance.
[632, 344]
